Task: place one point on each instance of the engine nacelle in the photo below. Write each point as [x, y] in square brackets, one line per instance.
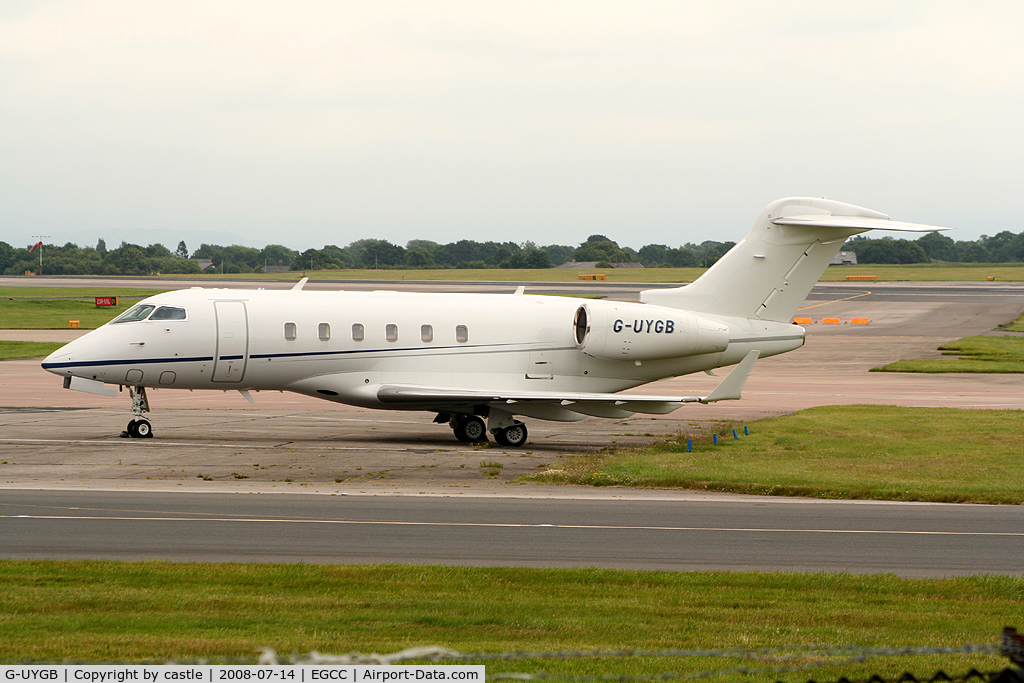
[625, 331]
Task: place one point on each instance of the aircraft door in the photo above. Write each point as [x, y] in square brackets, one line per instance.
[232, 341]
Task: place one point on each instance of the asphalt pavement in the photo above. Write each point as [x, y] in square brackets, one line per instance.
[679, 532]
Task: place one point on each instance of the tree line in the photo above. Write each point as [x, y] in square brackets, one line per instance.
[133, 259]
[1004, 247]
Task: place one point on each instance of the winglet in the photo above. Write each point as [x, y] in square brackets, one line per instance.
[299, 284]
[731, 386]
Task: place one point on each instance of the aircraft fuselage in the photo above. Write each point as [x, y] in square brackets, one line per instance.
[341, 346]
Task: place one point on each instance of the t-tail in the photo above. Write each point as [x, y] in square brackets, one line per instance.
[769, 274]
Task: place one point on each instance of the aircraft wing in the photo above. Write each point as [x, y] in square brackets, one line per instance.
[586, 403]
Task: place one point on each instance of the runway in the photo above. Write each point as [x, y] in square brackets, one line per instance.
[680, 532]
[296, 479]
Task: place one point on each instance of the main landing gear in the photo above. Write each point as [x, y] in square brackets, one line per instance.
[468, 428]
[139, 427]
[471, 429]
[512, 436]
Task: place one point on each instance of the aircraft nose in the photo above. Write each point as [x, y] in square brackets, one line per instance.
[54, 362]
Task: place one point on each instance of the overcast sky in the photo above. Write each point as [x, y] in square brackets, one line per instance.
[312, 123]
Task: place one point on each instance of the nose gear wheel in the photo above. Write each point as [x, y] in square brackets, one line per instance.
[139, 427]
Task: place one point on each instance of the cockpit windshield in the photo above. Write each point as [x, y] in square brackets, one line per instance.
[168, 313]
[142, 311]
[134, 314]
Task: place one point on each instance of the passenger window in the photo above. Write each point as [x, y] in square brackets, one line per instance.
[461, 333]
[324, 331]
[289, 331]
[391, 332]
[358, 334]
[135, 313]
[426, 333]
[168, 313]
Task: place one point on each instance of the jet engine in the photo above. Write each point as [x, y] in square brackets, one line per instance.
[625, 331]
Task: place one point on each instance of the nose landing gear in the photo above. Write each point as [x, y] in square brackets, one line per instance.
[139, 427]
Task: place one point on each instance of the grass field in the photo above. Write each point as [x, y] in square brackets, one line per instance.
[75, 292]
[976, 272]
[938, 272]
[50, 308]
[129, 611]
[21, 349]
[972, 354]
[875, 452]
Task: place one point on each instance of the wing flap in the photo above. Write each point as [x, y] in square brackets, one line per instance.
[585, 403]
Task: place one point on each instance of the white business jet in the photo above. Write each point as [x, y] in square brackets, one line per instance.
[475, 357]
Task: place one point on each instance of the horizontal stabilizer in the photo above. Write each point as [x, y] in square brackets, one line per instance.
[860, 222]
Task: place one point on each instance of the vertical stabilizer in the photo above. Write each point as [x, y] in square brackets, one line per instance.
[769, 273]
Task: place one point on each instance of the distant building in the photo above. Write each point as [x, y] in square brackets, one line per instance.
[844, 258]
[204, 263]
[593, 264]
